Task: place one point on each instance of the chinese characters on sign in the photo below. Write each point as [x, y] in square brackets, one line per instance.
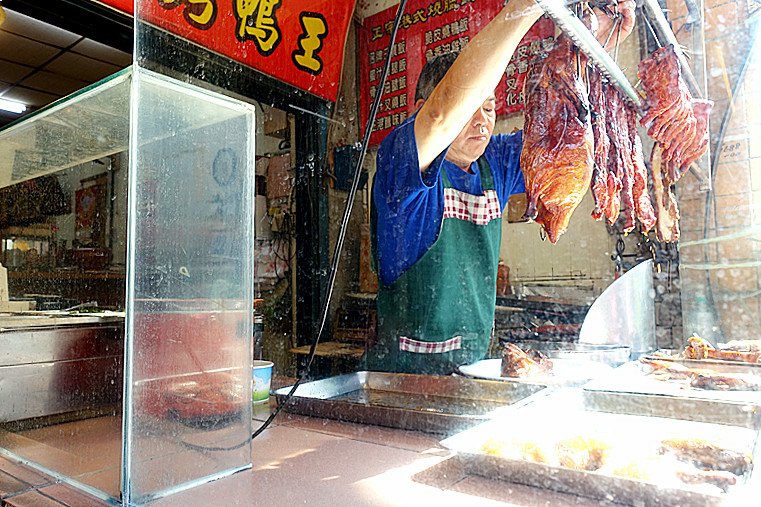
[430, 28]
[310, 42]
[393, 109]
[199, 14]
[256, 21]
[515, 74]
[300, 42]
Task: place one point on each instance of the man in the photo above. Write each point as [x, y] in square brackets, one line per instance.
[441, 184]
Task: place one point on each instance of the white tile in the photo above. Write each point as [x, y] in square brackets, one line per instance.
[53, 83]
[12, 72]
[81, 67]
[30, 97]
[21, 50]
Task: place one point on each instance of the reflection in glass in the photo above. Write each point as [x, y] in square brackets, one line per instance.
[63, 242]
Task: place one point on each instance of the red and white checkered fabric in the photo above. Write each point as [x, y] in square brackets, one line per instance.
[478, 209]
[419, 347]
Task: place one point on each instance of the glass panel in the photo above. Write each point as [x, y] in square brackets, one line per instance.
[88, 125]
[190, 288]
[63, 230]
[720, 254]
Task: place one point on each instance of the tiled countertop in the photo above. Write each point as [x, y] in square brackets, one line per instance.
[303, 460]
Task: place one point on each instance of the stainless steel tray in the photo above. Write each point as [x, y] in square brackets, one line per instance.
[565, 372]
[630, 391]
[539, 421]
[673, 355]
[434, 404]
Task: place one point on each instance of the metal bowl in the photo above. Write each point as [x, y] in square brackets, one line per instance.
[612, 355]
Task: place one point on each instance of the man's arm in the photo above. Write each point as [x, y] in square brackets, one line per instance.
[471, 79]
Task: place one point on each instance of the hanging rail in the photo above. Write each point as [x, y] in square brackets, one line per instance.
[587, 42]
[655, 14]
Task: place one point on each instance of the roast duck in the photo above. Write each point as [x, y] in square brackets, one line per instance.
[557, 139]
[580, 132]
[517, 363]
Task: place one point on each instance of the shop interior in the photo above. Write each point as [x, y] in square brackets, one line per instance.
[64, 234]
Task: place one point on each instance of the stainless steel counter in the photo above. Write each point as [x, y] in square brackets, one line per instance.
[56, 365]
[55, 319]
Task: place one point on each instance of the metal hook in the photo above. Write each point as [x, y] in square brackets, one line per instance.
[616, 21]
[652, 31]
[618, 41]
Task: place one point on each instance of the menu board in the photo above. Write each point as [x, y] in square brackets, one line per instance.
[428, 29]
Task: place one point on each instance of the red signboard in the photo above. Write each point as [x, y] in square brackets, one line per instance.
[127, 6]
[300, 42]
[430, 28]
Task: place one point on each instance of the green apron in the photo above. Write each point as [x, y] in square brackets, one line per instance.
[439, 314]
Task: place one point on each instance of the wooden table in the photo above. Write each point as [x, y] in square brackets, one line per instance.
[339, 357]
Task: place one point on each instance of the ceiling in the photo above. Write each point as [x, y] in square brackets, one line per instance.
[40, 63]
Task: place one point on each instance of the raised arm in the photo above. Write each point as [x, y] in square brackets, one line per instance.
[471, 79]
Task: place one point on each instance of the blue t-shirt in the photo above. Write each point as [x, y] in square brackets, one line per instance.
[409, 205]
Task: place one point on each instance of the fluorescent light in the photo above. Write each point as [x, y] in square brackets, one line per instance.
[13, 107]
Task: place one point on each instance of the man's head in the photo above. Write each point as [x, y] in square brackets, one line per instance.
[472, 140]
[433, 72]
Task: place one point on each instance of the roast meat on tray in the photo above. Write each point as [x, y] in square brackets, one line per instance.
[517, 363]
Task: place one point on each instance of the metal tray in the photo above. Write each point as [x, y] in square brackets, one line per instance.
[568, 372]
[630, 391]
[610, 354]
[434, 404]
[673, 355]
[538, 421]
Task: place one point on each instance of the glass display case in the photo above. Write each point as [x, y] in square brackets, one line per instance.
[178, 410]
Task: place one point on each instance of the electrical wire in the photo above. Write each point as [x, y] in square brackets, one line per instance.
[344, 223]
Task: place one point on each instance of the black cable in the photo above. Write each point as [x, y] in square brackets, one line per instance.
[344, 223]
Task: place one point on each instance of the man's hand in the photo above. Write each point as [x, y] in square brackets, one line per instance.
[625, 9]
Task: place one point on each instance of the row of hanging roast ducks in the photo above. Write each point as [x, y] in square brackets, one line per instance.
[580, 133]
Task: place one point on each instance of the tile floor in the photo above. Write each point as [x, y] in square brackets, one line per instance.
[298, 460]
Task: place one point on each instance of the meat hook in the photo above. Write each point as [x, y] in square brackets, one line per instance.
[616, 21]
[652, 31]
